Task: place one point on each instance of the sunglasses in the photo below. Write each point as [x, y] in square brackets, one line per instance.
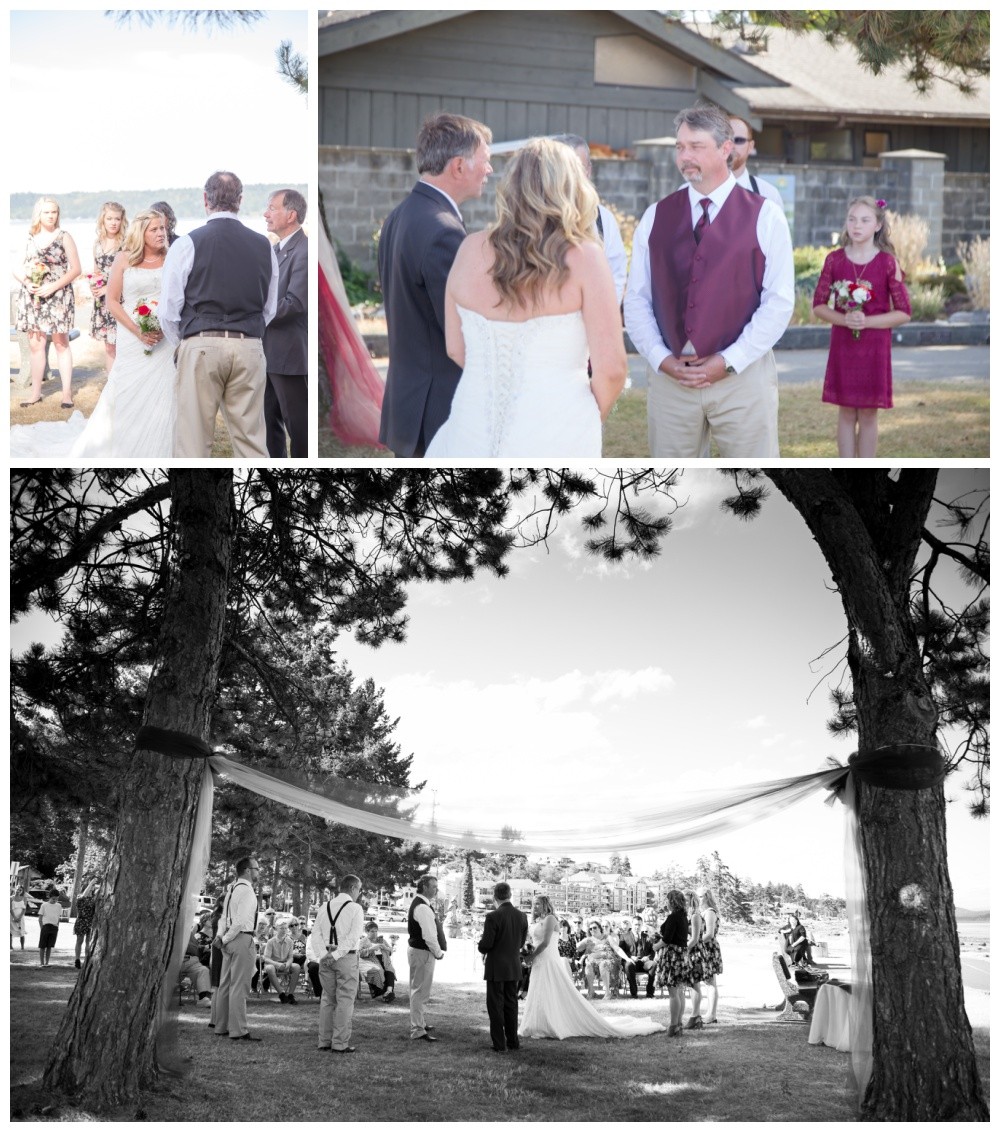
[740, 141]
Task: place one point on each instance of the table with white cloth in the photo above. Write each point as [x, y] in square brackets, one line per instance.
[831, 1025]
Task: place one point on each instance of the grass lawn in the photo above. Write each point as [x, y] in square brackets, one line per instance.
[930, 421]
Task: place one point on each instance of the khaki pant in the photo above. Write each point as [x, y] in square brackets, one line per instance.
[421, 979]
[229, 1003]
[339, 980]
[740, 412]
[214, 373]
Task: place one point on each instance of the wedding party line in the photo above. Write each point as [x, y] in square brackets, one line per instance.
[192, 325]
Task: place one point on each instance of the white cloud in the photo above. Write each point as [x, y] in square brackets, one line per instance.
[754, 724]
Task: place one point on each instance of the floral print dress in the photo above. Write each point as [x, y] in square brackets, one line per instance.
[54, 315]
[102, 321]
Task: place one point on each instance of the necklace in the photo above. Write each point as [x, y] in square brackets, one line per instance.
[859, 268]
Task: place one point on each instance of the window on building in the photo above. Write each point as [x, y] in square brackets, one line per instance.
[630, 60]
[876, 142]
[832, 145]
[770, 142]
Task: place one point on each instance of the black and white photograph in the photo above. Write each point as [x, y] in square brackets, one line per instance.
[632, 794]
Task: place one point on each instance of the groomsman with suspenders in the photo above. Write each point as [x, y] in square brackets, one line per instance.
[236, 938]
[336, 934]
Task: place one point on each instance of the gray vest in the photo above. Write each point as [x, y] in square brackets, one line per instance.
[229, 280]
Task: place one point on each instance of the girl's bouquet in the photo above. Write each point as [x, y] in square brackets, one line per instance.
[850, 295]
[146, 319]
[36, 274]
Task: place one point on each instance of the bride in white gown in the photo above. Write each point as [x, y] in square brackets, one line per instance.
[528, 301]
[554, 1007]
[134, 416]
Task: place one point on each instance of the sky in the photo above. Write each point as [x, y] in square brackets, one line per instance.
[572, 694]
[156, 107]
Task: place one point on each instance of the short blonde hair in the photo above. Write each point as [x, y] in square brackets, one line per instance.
[545, 206]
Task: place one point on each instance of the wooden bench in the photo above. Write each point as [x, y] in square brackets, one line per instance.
[799, 998]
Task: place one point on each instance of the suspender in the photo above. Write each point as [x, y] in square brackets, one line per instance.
[600, 226]
[753, 185]
[333, 921]
[229, 900]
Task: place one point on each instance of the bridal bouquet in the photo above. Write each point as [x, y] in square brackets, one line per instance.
[36, 274]
[850, 295]
[146, 319]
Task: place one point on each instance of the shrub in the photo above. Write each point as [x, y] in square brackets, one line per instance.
[975, 257]
[926, 303]
[358, 283]
[908, 235]
[809, 262]
[802, 314]
[626, 224]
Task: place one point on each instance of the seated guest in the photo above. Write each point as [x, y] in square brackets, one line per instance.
[194, 969]
[567, 947]
[261, 936]
[279, 964]
[799, 948]
[643, 958]
[375, 951]
[299, 933]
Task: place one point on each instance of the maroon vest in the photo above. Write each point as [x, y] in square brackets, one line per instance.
[705, 293]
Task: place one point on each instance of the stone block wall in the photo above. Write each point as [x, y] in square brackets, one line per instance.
[360, 187]
[966, 210]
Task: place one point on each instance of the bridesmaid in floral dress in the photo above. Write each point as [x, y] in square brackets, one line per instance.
[111, 225]
[45, 305]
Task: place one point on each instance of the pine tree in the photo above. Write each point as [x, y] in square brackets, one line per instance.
[468, 885]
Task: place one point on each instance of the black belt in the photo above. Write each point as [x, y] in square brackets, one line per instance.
[222, 334]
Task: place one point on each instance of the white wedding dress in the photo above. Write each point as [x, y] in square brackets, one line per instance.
[134, 416]
[524, 391]
[554, 1008]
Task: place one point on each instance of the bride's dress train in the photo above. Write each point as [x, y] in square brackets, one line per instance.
[554, 1008]
[134, 416]
[524, 391]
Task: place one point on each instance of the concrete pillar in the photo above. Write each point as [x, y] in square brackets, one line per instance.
[920, 181]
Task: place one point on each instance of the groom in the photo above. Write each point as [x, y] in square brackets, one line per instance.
[416, 249]
[219, 292]
[504, 933]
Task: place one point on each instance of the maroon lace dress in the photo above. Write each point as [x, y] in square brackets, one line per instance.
[859, 371]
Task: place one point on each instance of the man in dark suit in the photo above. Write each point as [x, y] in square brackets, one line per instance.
[286, 340]
[504, 933]
[416, 249]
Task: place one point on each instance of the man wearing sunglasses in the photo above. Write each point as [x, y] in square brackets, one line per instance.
[743, 150]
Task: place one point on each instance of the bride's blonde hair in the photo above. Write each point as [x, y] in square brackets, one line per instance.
[135, 242]
[545, 206]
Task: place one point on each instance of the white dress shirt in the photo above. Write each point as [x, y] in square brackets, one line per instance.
[176, 269]
[239, 913]
[458, 211]
[766, 188]
[614, 249]
[777, 300]
[350, 927]
[424, 915]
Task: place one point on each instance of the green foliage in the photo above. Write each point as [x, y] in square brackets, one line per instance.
[359, 284]
[926, 303]
[949, 282]
[808, 261]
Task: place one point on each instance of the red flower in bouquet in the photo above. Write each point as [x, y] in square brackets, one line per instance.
[146, 319]
[850, 295]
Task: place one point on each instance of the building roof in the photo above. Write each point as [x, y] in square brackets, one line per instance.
[819, 80]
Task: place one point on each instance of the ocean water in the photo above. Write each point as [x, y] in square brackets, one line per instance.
[974, 929]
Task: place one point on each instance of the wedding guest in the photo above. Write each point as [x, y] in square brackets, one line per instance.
[711, 951]
[45, 305]
[711, 290]
[567, 946]
[643, 960]
[694, 960]
[606, 225]
[798, 941]
[86, 908]
[336, 933]
[49, 915]
[416, 250]
[193, 968]
[215, 958]
[377, 950]
[300, 942]
[279, 964]
[111, 223]
[743, 149]
[220, 290]
[237, 927]
[670, 966]
[262, 934]
[286, 339]
[18, 908]
[168, 215]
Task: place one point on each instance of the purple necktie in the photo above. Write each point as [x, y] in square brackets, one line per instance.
[703, 221]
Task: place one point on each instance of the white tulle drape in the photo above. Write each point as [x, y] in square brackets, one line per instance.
[859, 931]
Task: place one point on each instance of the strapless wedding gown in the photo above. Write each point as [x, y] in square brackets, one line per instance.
[554, 1008]
[524, 391]
[134, 416]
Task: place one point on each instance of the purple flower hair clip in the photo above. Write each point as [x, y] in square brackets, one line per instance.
[880, 203]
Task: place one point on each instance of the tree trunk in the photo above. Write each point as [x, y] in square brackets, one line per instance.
[81, 855]
[105, 1049]
[924, 1060]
